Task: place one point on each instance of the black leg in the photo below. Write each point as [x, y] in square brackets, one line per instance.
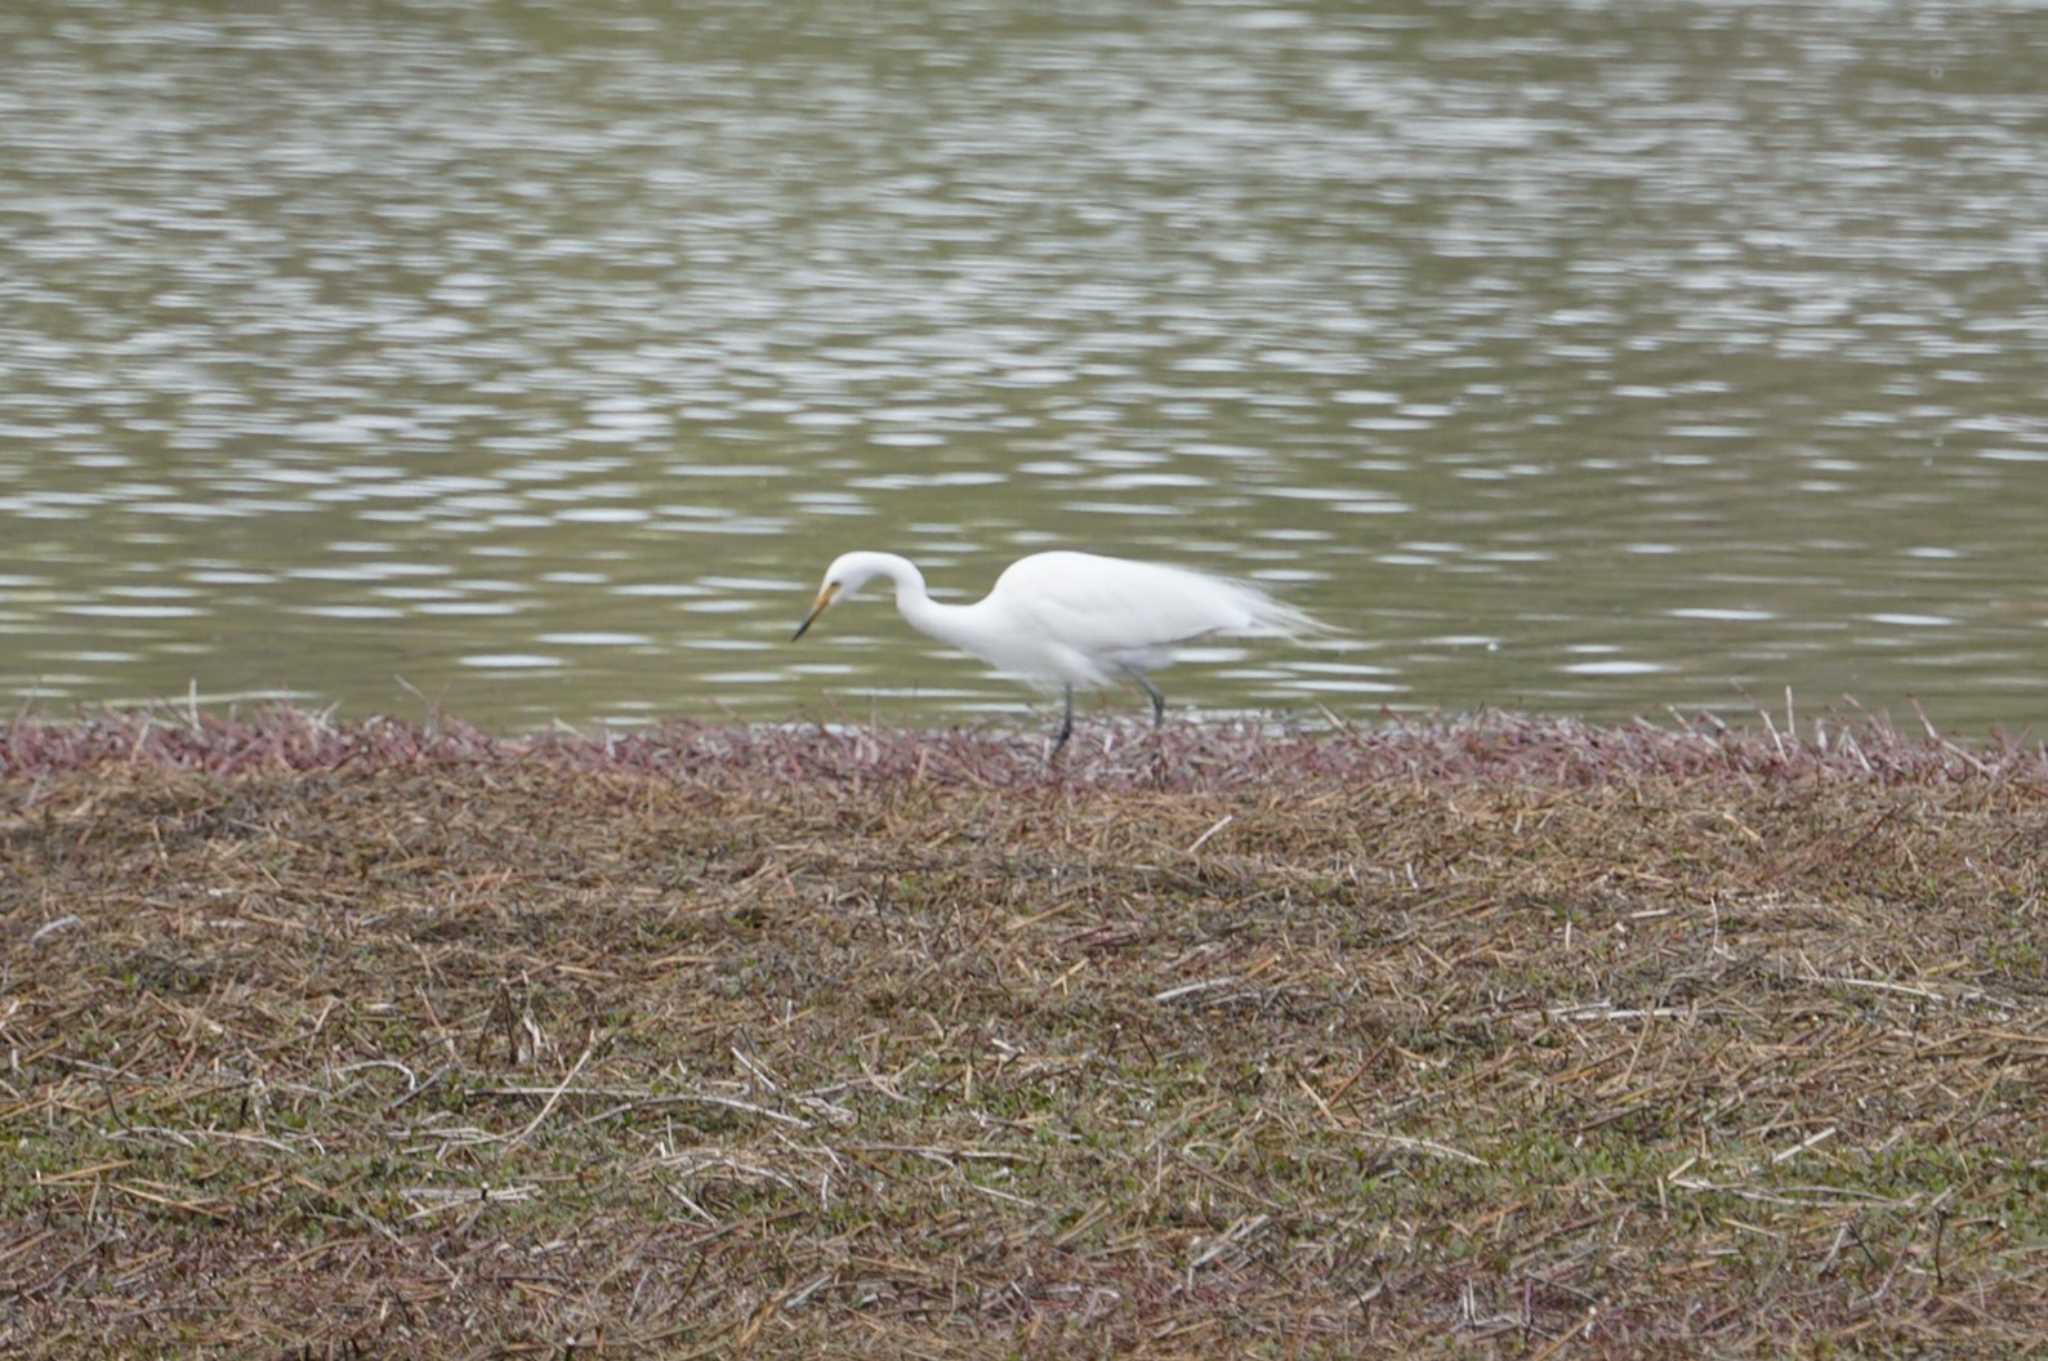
[1066, 724]
[1158, 700]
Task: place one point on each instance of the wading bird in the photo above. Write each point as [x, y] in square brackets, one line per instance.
[1061, 621]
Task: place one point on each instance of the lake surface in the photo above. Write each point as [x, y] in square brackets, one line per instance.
[533, 359]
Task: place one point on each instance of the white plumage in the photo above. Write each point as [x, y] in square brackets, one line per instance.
[1066, 621]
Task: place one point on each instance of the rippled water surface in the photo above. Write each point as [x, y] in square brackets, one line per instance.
[534, 358]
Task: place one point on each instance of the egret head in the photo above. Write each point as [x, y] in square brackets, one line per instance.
[847, 574]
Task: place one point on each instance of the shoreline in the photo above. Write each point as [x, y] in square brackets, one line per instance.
[1115, 753]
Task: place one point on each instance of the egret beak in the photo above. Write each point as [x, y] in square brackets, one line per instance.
[824, 602]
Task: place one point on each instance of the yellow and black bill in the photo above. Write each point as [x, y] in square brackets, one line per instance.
[823, 603]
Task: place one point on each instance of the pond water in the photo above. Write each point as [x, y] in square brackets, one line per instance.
[532, 359]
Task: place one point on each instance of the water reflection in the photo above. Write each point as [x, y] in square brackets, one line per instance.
[536, 359]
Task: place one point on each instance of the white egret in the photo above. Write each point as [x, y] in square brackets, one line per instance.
[1058, 621]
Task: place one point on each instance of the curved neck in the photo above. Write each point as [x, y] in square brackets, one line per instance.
[928, 616]
[909, 582]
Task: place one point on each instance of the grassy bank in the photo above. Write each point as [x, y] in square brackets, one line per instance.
[1518, 1039]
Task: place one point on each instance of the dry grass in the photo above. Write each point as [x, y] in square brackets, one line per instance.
[1509, 1039]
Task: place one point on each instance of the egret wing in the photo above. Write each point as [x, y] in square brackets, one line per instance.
[1119, 609]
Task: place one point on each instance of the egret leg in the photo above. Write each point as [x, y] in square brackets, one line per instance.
[1158, 700]
[1066, 724]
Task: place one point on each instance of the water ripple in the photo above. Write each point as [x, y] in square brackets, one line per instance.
[544, 355]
